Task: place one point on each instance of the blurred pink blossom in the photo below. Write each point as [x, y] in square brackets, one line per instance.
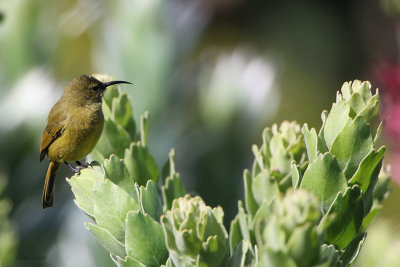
[389, 78]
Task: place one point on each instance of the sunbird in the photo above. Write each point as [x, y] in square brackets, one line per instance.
[74, 126]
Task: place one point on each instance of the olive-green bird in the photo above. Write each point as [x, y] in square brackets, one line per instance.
[74, 126]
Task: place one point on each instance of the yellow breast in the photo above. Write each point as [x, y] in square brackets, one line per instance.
[83, 129]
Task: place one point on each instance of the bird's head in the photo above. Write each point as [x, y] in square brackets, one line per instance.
[87, 89]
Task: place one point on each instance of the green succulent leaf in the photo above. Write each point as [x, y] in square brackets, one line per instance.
[111, 204]
[380, 191]
[259, 161]
[251, 203]
[109, 94]
[263, 213]
[150, 200]
[169, 166]
[82, 187]
[335, 121]
[243, 255]
[141, 164]
[213, 227]
[172, 189]
[128, 262]
[371, 109]
[107, 240]
[353, 249]
[169, 263]
[352, 144]
[296, 175]
[116, 170]
[264, 188]
[122, 114]
[269, 257]
[273, 234]
[344, 218]
[145, 239]
[311, 141]
[329, 256]
[356, 103]
[96, 155]
[324, 179]
[304, 244]
[322, 147]
[368, 170]
[144, 127]
[374, 211]
[195, 233]
[214, 252]
[114, 140]
[239, 229]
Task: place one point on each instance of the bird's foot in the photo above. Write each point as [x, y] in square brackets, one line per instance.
[77, 169]
[84, 165]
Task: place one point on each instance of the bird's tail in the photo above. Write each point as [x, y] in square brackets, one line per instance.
[47, 196]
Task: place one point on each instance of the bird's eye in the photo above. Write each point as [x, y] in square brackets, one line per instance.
[95, 88]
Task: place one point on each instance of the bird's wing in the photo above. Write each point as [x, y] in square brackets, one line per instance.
[54, 129]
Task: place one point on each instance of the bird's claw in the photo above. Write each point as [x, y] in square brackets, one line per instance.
[87, 165]
[77, 169]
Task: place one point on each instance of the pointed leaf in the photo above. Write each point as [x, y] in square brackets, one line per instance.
[352, 144]
[353, 249]
[368, 170]
[145, 240]
[264, 188]
[109, 94]
[129, 262]
[82, 186]
[214, 252]
[371, 109]
[151, 201]
[335, 121]
[114, 140]
[144, 127]
[322, 147]
[122, 113]
[343, 220]
[324, 178]
[169, 166]
[107, 240]
[329, 256]
[243, 255]
[296, 175]
[251, 204]
[269, 257]
[172, 189]
[378, 132]
[96, 155]
[116, 170]
[141, 164]
[303, 245]
[111, 204]
[311, 141]
[356, 103]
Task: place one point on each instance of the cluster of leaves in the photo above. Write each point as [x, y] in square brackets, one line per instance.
[308, 199]
[339, 166]
[8, 236]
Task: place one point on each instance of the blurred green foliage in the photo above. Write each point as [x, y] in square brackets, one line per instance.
[382, 246]
[8, 235]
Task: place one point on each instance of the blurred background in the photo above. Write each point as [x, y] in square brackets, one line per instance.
[212, 74]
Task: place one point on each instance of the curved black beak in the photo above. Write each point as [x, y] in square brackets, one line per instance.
[114, 82]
